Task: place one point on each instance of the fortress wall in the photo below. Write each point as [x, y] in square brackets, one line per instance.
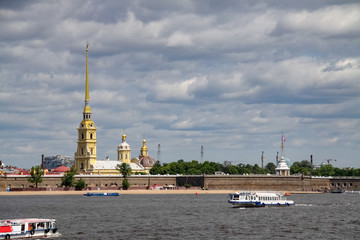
[345, 183]
[265, 182]
[140, 181]
[238, 182]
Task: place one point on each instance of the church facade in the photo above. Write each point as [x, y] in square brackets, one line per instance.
[85, 156]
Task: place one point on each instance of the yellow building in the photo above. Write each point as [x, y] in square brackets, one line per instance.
[124, 151]
[85, 156]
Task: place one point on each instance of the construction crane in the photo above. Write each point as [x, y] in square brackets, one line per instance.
[330, 160]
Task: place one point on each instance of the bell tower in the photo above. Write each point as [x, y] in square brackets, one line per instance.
[85, 156]
[124, 151]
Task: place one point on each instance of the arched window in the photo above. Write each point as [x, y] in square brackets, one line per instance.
[91, 135]
[82, 136]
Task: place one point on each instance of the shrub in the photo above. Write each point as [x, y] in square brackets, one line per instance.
[125, 184]
[80, 184]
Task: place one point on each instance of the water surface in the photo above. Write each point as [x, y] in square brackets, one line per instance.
[187, 216]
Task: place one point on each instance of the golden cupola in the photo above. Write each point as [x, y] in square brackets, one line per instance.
[144, 149]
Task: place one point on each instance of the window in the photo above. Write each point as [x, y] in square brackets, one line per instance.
[82, 166]
[91, 136]
[82, 136]
[82, 151]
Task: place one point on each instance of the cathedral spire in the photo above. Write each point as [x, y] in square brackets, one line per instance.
[87, 109]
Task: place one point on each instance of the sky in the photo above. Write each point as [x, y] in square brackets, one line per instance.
[230, 76]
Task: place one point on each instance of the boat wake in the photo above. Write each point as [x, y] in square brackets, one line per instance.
[303, 205]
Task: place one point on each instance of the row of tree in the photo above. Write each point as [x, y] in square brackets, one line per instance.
[304, 167]
[195, 168]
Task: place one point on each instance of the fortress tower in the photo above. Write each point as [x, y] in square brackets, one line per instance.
[85, 156]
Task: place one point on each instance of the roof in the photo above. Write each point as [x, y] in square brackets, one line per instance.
[112, 165]
[147, 161]
[62, 168]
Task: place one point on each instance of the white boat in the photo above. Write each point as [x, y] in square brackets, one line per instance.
[352, 192]
[27, 228]
[258, 199]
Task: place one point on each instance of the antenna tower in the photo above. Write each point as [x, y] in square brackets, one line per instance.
[158, 152]
[202, 153]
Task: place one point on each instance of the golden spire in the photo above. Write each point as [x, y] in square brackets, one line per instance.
[87, 108]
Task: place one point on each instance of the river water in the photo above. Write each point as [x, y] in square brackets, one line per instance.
[185, 216]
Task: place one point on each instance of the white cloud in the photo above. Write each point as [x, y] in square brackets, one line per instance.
[230, 77]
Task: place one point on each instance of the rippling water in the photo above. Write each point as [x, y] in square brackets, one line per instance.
[183, 216]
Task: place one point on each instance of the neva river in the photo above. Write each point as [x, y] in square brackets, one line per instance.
[208, 216]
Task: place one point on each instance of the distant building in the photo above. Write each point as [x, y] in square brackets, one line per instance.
[52, 162]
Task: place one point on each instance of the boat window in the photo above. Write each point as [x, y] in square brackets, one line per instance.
[22, 227]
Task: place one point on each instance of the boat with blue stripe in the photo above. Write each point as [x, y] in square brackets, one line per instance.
[259, 199]
[89, 194]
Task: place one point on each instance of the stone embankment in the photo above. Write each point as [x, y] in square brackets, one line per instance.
[211, 182]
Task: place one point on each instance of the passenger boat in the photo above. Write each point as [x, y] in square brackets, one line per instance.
[28, 228]
[89, 194]
[258, 199]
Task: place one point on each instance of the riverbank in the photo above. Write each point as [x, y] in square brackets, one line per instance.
[122, 192]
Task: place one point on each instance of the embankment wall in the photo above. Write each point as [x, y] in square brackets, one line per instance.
[231, 182]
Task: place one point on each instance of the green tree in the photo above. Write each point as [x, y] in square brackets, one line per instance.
[303, 167]
[36, 175]
[270, 168]
[156, 169]
[231, 169]
[68, 180]
[258, 170]
[80, 184]
[327, 170]
[125, 184]
[124, 169]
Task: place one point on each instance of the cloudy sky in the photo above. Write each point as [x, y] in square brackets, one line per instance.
[228, 75]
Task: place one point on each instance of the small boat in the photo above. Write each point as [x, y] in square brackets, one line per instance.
[89, 194]
[28, 228]
[258, 199]
[352, 192]
[287, 194]
[338, 190]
